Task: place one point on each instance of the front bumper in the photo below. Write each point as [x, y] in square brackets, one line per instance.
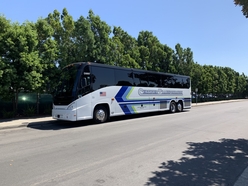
[68, 115]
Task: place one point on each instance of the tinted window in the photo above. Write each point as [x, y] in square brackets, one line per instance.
[182, 82]
[84, 85]
[154, 80]
[174, 81]
[67, 80]
[179, 82]
[102, 77]
[168, 81]
[65, 92]
[187, 83]
[140, 79]
[123, 77]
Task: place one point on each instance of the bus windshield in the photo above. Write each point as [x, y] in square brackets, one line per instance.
[66, 86]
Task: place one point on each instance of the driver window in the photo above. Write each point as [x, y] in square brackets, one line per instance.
[85, 81]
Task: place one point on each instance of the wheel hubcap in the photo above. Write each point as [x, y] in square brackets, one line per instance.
[100, 115]
[179, 107]
[173, 108]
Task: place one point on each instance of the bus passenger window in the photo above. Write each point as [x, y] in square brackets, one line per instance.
[141, 79]
[102, 77]
[123, 77]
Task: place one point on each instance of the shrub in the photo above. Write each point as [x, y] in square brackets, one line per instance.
[29, 111]
[47, 110]
[8, 114]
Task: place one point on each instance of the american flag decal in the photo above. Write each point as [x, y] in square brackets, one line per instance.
[102, 93]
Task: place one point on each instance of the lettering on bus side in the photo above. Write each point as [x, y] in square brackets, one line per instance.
[159, 92]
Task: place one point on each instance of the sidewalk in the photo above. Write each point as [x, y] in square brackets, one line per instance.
[21, 122]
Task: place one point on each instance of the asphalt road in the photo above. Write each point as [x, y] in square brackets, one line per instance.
[207, 145]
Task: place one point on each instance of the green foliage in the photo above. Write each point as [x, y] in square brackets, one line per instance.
[101, 31]
[48, 52]
[22, 67]
[47, 110]
[83, 40]
[7, 114]
[125, 49]
[29, 111]
[63, 28]
[244, 5]
[152, 52]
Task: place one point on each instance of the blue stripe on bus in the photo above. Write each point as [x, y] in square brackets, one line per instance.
[119, 95]
[126, 105]
[138, 101]
[125, 109]
[124, 97]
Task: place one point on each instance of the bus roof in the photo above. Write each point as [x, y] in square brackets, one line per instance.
[118, 67]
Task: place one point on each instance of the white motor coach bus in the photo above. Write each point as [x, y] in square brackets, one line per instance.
[97, 91]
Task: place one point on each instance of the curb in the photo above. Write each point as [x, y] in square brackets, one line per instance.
[14, 126]
[10, 124]
[25, 122]
[216, 102]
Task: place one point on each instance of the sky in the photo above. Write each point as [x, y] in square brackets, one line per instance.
[215, 30]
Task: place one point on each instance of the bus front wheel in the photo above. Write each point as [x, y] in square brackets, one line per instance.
[100, 114]
[172, 107]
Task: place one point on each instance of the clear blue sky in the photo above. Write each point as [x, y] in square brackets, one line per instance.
[215, 30]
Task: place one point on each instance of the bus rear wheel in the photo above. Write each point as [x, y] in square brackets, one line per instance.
[100, 114]
[179, 106]
[172, 107]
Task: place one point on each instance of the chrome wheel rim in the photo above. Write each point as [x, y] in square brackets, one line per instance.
[173, 107]
[179, 107]
[100, 115]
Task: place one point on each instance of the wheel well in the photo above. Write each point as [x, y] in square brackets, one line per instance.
[104, 105]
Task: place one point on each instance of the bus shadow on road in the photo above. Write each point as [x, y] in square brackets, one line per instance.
[59, 125]
[208, 163]
[143, 115]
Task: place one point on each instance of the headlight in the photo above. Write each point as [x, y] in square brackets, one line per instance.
[71, 106]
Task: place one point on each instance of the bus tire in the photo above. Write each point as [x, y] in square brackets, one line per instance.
[172, 107]
[179, 106]
[100, 114]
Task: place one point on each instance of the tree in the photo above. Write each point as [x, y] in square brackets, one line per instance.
[183, 60]
[20, 58]
[47, 49]
[197, 78]
[125, 48]
[6, 69]
[144, 57]
[166, 65]
[63, 28]
[241, 84]
[244, 5]
[230, 73]
[83, 38]
[101, 31]
[117, 52]
[155, 48]
[222, 81]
